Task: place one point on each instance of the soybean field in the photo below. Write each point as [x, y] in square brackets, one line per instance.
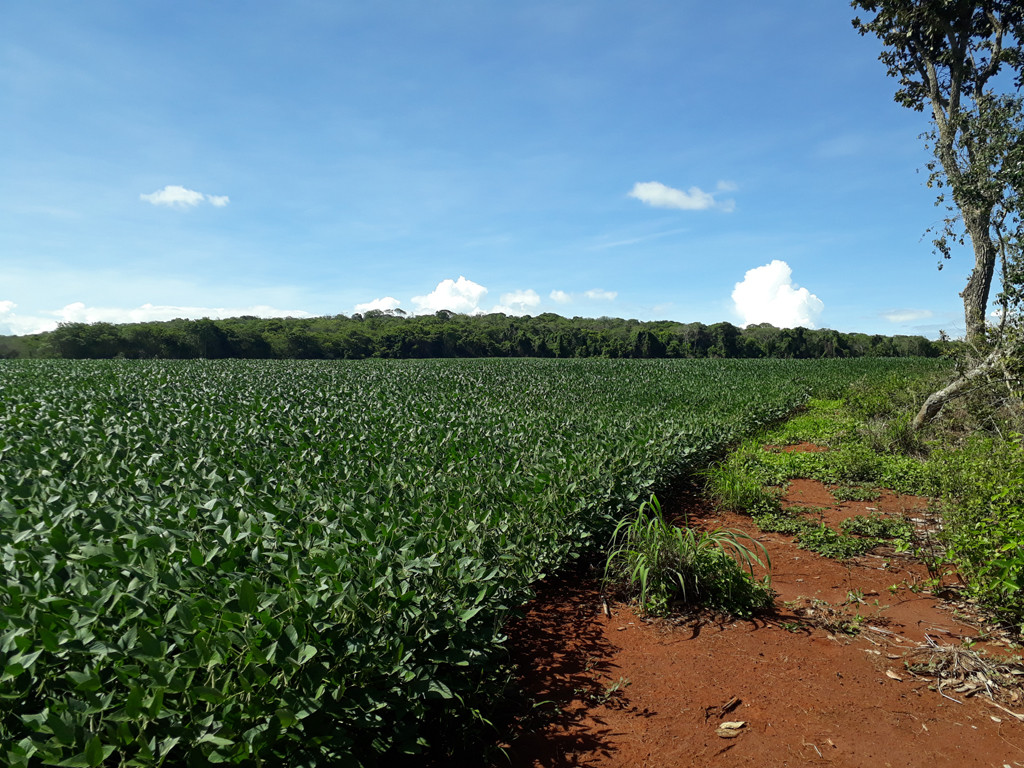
[308, 562]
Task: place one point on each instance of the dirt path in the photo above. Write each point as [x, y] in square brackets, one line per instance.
[625, 692]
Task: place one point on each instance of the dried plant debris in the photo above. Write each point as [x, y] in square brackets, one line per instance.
[835, 619]
[957, 669]
[731, 729]
[721, 710]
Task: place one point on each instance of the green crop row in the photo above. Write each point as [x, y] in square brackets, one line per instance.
[310, 563]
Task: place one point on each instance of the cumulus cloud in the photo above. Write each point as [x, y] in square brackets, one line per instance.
[658, 195]
[768, 294]
[517, 302]
[79, 312]
[14, 324]
[460, 295]
[383, 304]
[907, 315]
[560, 296]
[597, 294]
[527, 298]
[175, 196]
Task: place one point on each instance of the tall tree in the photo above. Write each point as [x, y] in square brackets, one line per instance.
[961, 61]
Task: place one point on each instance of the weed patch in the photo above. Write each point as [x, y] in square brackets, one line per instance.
[879, 527]
[828, 543]
[661, 564]
[855, 492]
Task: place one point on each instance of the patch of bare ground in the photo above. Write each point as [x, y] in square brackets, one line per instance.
[837, 675]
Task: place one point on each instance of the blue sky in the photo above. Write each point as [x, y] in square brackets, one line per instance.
[585, 158]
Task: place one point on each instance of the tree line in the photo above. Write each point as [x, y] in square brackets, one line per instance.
[446, 334]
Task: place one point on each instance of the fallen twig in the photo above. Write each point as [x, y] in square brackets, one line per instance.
[997, 705]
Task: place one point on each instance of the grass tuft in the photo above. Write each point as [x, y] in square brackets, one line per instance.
[662, 564]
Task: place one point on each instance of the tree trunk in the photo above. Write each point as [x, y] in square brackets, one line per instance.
[976, 293]
[936, 400]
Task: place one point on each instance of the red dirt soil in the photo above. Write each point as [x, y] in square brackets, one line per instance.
[621, 691]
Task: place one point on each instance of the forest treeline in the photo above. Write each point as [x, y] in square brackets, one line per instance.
[447, 334]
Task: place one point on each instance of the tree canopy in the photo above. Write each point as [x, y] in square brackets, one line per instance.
[446, 334]
[961, 61]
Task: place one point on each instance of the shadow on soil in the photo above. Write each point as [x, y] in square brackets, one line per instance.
[560, 643]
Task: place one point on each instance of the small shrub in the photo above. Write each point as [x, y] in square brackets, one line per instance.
[661, 563]
[983, 510]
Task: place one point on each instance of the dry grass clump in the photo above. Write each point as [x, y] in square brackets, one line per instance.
[957, 669]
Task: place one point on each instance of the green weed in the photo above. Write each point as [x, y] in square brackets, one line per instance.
[781, 521]
[737, 485]
[828, 543]
[878, 527]
[855, 492]
[660, 564]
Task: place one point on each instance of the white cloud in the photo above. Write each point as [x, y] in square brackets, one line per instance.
[78, 312]
[598, 295]
[460, 295]
[175, 196]
[560, 296]
[769, 295]
[527, 298]
[14, 324]
[383, 304]
[656, 194]
[517, 302]
[907, 315]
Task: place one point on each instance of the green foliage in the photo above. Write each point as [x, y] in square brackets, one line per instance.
[859, 534]
[828, 543]
[855, 492]
[661, 563]
[879, 527]
[311, 562]
[781, 521]
[820, 424]
[737, 484]
[979, 479]
[854, 462]
[890, 395]
[947, 58]
[394, 335]
[894, 435]
[982, 486]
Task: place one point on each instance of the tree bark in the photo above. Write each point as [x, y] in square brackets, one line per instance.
[936, 400]
[979, 284]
